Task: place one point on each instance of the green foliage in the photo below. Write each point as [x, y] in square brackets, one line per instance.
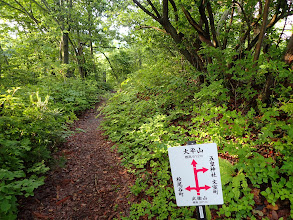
[242, 105]
[15, 183]
[161, 107]
[227, 171]
[122, 64]
[33, 121]
[238, 197]
[39, 27]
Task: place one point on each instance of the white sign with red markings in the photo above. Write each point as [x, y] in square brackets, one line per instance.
[196, 175]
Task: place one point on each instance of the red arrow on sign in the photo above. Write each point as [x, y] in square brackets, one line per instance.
[197, 188]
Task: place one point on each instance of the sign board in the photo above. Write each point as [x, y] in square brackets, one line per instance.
[196, 175]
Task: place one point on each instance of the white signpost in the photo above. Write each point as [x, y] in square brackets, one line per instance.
[196, 175]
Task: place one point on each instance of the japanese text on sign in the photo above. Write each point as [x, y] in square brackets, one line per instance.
[196, 175]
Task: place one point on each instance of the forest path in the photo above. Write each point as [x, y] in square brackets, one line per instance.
[92, 184]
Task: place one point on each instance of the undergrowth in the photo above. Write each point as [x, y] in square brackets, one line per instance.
[161, 107]
[34, 120]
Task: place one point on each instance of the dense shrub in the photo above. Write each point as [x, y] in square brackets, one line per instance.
[33, 121]
[164, 107]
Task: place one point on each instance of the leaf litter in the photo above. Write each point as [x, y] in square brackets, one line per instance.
[92, 184]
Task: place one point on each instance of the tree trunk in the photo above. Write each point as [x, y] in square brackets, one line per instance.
[267, 90]
[288, 58]
[81, 61]
[64, 52]
[262, 31]
[191, 56]
[65, 48]
[107, 58]
[186, 49]
[61, 50]
[91, 41]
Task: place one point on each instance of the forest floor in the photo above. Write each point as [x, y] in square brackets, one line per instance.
[92, 184]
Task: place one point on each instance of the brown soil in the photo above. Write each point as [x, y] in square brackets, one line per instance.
[92, 184]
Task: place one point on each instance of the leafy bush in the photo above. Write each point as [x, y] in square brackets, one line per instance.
[163, 107]
[33, 121]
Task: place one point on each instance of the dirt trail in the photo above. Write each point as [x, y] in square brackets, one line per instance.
[92, 185]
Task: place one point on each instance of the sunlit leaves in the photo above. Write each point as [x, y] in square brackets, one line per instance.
[33, 120]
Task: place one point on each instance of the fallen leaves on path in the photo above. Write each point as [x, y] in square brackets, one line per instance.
[92, 184]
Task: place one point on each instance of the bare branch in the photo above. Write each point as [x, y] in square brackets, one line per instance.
[108, 61]
[279, 40]
[27, 13]
[193, 23]
[73, 45]
[40, 6]
[47, 5]
[175, 9]
[146, 11]
[212, 24]
[11, 6]
[154, 8]
[274, 20]
[204, 19]
[243, 38]
[224, 46]
[152, 27]
[243, 12]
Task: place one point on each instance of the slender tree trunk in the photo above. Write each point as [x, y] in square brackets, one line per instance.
[267, 91]
[262, 31]
[65, 48]
[81, 61]
[65, 52]
[65, 7]
[89, 19]
[91, 41]
[107, 58]
[264, 95]
[288, 58]
[61, 50]
[80, 57]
